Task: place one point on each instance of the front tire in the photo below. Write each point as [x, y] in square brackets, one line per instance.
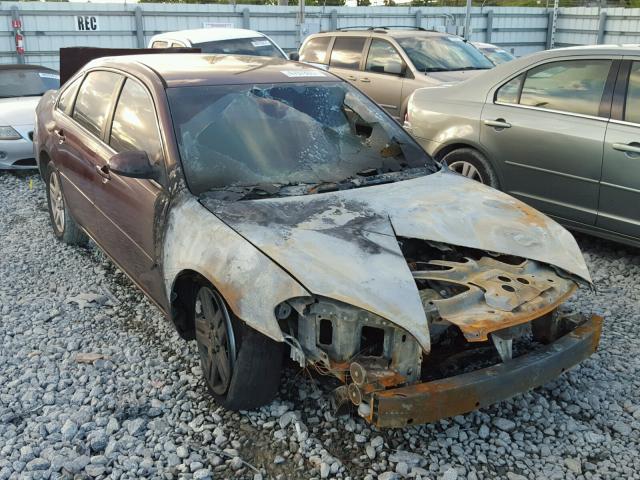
[64, 226]
[240, 365]
[472, 164]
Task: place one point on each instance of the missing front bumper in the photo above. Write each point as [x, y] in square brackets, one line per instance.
[430, 401]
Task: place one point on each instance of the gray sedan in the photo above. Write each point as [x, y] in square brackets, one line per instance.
[558, 129]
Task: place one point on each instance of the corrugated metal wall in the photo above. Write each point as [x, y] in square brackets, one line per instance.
[49, 26]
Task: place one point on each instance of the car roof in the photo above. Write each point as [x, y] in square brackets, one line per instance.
[200, 35]
[484, 45]
[190, 69]
[620, 49]
[16, 66]
[381, 32]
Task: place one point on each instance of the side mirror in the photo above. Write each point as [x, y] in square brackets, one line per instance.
[395, 68]
[295, 56]
[133, 164]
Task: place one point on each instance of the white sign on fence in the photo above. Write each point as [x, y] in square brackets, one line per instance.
[87, 23]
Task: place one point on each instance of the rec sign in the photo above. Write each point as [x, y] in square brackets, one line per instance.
[87, 23]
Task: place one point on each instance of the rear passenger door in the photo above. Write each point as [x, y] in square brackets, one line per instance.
[619, 208]
[346, 58]
[80, 143]
[382, 77]
[545, 130]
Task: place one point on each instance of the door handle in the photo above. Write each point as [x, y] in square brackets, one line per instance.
[352, 78]
[103, 171]
[60, 134]
[631, 149]
[365, 80]
[497, 123]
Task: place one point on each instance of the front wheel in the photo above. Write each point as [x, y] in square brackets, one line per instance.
[472, 164]
[240, 365]
[64, 226]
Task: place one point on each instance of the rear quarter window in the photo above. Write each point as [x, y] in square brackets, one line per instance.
[315, 50]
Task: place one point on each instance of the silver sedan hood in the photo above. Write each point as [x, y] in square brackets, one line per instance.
[343, 244]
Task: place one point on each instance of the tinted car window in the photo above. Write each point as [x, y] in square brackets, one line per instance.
[347, 52]
[159, 44]
[287, 134]
[571, 86]
[258, 46]
[27, 82]
[94, 100]
[134, 123]
[315, 50]
[443, 53]
[497, 55]
[383, 58]
[510, 91]
[632, 107]
[66, 98]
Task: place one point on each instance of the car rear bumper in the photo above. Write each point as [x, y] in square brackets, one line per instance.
[430, 401]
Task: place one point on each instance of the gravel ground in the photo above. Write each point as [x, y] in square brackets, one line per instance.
[94, 383]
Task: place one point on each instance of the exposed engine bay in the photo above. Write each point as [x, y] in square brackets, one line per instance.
[482, 309]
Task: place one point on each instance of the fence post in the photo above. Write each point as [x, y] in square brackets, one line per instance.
[489, 26]
[18, 37]
[602, 22]
[418, 18]
[550, 31]
[333, 25]
[246, 19]
[139, 27]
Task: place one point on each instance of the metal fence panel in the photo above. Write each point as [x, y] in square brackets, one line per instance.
[50, 26]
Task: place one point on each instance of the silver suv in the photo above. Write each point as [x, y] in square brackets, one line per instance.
[388, 64]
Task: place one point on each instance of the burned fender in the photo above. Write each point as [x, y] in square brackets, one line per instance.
[251, 283]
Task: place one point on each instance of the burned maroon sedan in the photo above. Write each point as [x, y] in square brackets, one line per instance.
[267, 207]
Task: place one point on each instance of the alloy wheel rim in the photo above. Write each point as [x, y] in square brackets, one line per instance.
[216, 341]
[57, 202]
[467, 169]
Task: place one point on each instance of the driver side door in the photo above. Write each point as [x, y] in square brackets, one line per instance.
[382, 77]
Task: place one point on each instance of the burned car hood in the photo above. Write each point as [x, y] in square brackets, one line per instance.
[343, 244]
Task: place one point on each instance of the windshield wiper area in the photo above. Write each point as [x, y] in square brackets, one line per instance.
[471, 68]
[244, 192]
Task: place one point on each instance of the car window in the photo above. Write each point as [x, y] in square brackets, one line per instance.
[66, 98]
[259, 46]
[510, 91]
[347, 52]
[159, 44]
[27, 82]
[632, 107]
[443, 53]
[135, 126]
[176, 45]
[574, 86]
[315, 50]
[383, 58]
[497, 55]
[94, 100]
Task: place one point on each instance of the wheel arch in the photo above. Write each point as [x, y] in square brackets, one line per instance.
[448, 148]
[182, 300]
[43, 161]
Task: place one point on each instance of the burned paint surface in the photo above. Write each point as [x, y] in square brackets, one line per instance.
[250, 282]
[343, 245]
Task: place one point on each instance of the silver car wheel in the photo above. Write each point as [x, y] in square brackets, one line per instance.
[57, 201]
[466, 169]
[216, 341]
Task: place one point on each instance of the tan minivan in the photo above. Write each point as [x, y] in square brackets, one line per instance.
[388, 64]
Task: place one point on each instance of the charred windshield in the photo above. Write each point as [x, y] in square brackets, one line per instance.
[286, 134]
[27, 82]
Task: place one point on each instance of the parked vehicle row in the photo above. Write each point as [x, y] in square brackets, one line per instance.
[266, 205]
[21, 87]
[558, 129]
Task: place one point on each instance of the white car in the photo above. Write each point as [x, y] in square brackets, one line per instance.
[236, 41]
[494, 53]
[21, 87]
